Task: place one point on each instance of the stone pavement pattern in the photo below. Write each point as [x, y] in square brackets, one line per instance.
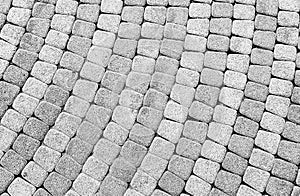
[149, 97]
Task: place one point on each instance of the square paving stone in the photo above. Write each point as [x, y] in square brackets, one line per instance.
[89, 132]
[46, 157]
[264, 39]
[246, 127]
[131, 99]
[228, 182]
[38, 26]
[13, 162]
[47, 112]
[92, 72]
[62, 23]
[113, 81]
[98, 115]
[79, 45]
[34, 174]
[285, 52]
[157, 146]
[287, 18]
[20, 186]
[106, 98]
[195, 43]
[171, 183]
[122, 169]
[66, 7]
[196, 186]
[83, 28]
[170, 130]
[256, 91]
[201, 111]
[252, 109]
[225, 115]
[7, 137]
[269, 7]
[162, 82]
[143, 183]
[65, 79]
[56, 184]
[56, 95]
[155, 14]
[284, 170]
[241, 145]
[103, 39]
[211, 77]
[124, 116]
[149, 117]
[109, 22]
[262, 159]
[18, 16]
[213, 151]
[153, 165]
[181, 166]
[278, 105]
[43, 71]
[35, 128]
[6, 179]
[79, 150]
[293, 114]
[133, 14]
[188, 148]
[271, 122]
[195, 130]
[106, 151]
[291, 131]
[222, 10]
[12, 33]
[56, 140]
[256, 178]
[259, 74]
[133, 152]
[207, 94]
[85, 185]
[234, 163]
[95, 168]
[206, 169]
[13, 120]
[231, 97]
[34, 87]
[25, 104]
[43, 10]
[15, 75]
[71, 61]
[25, 59]
[171, 48]
[125, 47]
[141, 135]
[31, 42]
[8, 50]
[219, 132]
[112, 186]
[26, 146]
[279, 186]
[68, 167]
[167, 65]
[113, 132]
[289, 151]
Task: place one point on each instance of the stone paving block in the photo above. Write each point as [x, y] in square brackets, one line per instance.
[201, 111]
[71, 61]
[289, 151]
[95, 168]
[171, 48]
[293, 114]
[267, 141]
[261, 57]
[287, 18]
[132, 192]
[71, 193]
[289, 5]
[95, 57]
[162, 148]
[141, 134]
[252, 109]
[5, 6]
[65, 78]
[133, 152]
[46, 158]
[176, 112]
[38, 26]
[138, 82]
[215, 60]
[207, 94]
[88, 12]
[243, 28]
[25, 59]
[7, 137]
[106, 98]
[216, 192]
[114, 81]
[152, 31]
[195, 130]
[284, 170]
[109, 22]
[199, 10]
[13, 120]
[8, 50]
[174, 31]
[85, 185]
[13, 162]
[279, 186]
[198, 27]
[56, 140]
[79, 45]
[220, 26]
[188, 148]
[56, 184]
[103, 39]
[231, 97]
[295, 191]
[43, 10]
[25, 104]
[234, 163]
[287, 35]
[155, 14]
[271, 122]
[148, 48]
[228, 182]
[143, 183]
[246, 126]
[157, 2]
[150, 117]
[56, 95]
[195, 43]
[220, 133]
[240, 45]
[170, 130]
[264, 39]
[93, 115]
[269, 7]
[47, 112]
[280, 87]
[238, 62]
[213, 151]
[256, 178]
[218, 42]
[225, 115]
[143, 64]
[278, 105]
[241, 145]
[119, 64]
[291, 131]
[35, 128]
[222, 10]
[153, 165]
[192, 60]
[211, 77]
[256, 91]
[34, 174]
[89, 132]
[166, 65]
[18, 16]
[15, 75]
[79, 150]
[122, 169]
[196, 186]
[12, 33]
[62, 23]
[112, 186]
[177, 15]
[171, 183]
[295, 95]
[133, 14]
[135, 2]
[43, 71]
[155, 99]
[85, 89]
[92, 72]
[6, 179]
[20, 186]
[67, 7]
[25, 146]
[262, 159]
[34, 88]
[163, 82]
[106, 151]
[113, 132]
[114, 7]
[206, 169]
[180, 166]
[241, 11]
[285, 52]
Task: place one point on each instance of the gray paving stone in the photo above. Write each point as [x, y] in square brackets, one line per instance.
[174, 31]
[8, 50]
[262, 57]
[125, 47]
[89, 132]
[46, 157]
[65, 79]
[166, 65]
[43, 71]
[246, 126]
[264, 39]
[218, 42]
[122, 169]
[66, 7]
[113, 81]
[155, 99]
[170, 130]
[229, 96]
[79, 150]
[93, 115]
[241, 145]
[295, 95]
[240, 45]
[7, 178]
[238, 62]
[88, 12]
[131, 99]
[267, 141]
[228, 182]
[34, 174]
[284, 170]
[213, 151]
[269, 7]
[85, 89]
[133, 14]
[288, 18]
[25, 146]
[20, 186]
[188, 148]
[25, 59]
[149, 117]
[112, 132]
[85, 185]
[43, 10]
[79, 45]
[35, 128]
[262, 159]
[287, 35]
[95, 168]
[38, 26]
[196, 185]
[109, 22]
[155, 14]
[234, 163]
[143, 183]
[18, 16]
[241, 11]
[222, 10]
[62, 23]
[13, 162]
[106, 98]
[7, 138]
[171, 48]
[256, 91]
[12, 33]
[112, 186]
[153, 165]
[71, 61]
[271, 122]
[293, 114]
[256, 178]
[225, 115]
[201, 111]
[13, 120]
[68, 167]
[207, 94]
[5, 6]
[206, 169]
[15, 75]
[56, 140]
[171, 183]
[285, 52]
[198, 27]
[56, 184]
[177, 15]
[252, 109]
[106, 151]
[243, 28]
[215, 60]
[25, 104]
[56, 95]
[141, 135]
[211, 77]
[143, 64]
[133, 152]
[47, 112]
[220, 26]
[278, 186]
[291, 131]
[289, 151]
[34, 87]
[195, 43]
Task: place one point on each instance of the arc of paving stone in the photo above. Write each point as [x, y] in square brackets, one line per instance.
[136, 123]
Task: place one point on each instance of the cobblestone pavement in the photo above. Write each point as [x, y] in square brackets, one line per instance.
[149, 97]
